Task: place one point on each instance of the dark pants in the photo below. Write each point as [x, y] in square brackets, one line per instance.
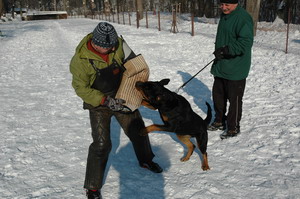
[232, 91]
[99, 150]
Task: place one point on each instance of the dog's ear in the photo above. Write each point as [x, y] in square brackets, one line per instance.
[164, 81]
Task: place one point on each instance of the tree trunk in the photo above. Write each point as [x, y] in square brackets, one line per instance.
[209, 8]
[200, 8]
[1, 7]
[140, 9]
[252, 7]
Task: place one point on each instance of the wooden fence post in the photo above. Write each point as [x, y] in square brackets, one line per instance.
[137, 19]
[118, 16]
[174, 28]
[158, 16]
[129, 18]
[123, 17]
[146, 19]
[287, 31]
[192, 19]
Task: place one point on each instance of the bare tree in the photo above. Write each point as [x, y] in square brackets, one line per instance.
[140, 9]
[253, 8]
[1, 7]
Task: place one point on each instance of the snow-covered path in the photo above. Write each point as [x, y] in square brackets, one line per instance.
[45, 133]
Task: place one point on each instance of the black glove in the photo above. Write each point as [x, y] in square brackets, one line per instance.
[220, 53]
[114, 104]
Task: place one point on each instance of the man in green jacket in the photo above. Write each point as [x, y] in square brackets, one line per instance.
[231, 67]
[97, 69]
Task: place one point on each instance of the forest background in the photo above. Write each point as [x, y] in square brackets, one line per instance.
[261, 10]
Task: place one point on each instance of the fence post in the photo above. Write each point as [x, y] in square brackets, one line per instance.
[174, 22]
[113, 15]
[137, 19]
[123, 16]
[158, 16]
[118, 16]
[146, 19]
[129, 18]
[287, 31]
[192, 19]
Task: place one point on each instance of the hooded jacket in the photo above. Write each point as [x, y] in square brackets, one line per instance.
[83, 73]
[235, 30]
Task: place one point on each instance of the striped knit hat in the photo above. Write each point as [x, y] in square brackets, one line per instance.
[105, 35]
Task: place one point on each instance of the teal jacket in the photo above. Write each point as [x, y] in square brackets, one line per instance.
[235, 30]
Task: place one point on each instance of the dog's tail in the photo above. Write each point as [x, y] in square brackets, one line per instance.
[208, 116]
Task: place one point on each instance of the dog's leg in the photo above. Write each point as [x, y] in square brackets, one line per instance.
[185, 139]
[205, 162]
[202, 144]
[146, 104]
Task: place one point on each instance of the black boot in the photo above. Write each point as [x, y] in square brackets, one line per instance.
[216, 126]
[152, 166]
[230, 133]
[93, 194]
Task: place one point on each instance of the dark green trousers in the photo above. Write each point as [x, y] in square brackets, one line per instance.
[100, 148]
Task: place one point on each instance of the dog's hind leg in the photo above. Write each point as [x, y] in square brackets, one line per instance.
[185, 139]
[202, 144]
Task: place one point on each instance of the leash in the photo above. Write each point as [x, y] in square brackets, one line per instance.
[177, 90]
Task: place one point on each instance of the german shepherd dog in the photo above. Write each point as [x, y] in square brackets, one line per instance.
[177, 116]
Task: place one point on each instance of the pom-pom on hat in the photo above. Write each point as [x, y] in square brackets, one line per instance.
[229, 1]
[105, 35]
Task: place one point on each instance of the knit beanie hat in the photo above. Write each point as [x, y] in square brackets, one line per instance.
[105, 35]
[229, 1]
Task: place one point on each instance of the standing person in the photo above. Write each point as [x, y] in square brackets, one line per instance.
[97, 69]
[231, 67]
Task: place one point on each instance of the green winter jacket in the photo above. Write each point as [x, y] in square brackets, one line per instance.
[84, 74]
[235, 30]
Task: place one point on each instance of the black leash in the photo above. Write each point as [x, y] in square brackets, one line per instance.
[193, 76]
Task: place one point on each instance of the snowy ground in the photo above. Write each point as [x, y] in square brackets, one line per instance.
[45, 133]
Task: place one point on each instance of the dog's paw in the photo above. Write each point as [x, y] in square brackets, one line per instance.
[205, 167]
[184, 159]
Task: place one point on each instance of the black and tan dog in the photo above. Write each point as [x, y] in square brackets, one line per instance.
[177, 116]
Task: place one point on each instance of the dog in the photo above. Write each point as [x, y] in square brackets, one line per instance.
[177, 116]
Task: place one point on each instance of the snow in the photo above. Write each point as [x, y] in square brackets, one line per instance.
[45, 133]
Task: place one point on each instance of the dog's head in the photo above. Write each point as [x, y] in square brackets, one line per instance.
[153, 92]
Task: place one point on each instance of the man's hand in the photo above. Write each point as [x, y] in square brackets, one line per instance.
[221, 52]
[114, 104]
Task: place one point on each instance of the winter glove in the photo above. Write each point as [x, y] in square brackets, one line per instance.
[220, 53]
[114, 104]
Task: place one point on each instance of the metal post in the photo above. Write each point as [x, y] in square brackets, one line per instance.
[288, 29]
[137, 19]
[158, 15]
[192, 19]
[146, 19]
[129, 18]
[123, 16]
